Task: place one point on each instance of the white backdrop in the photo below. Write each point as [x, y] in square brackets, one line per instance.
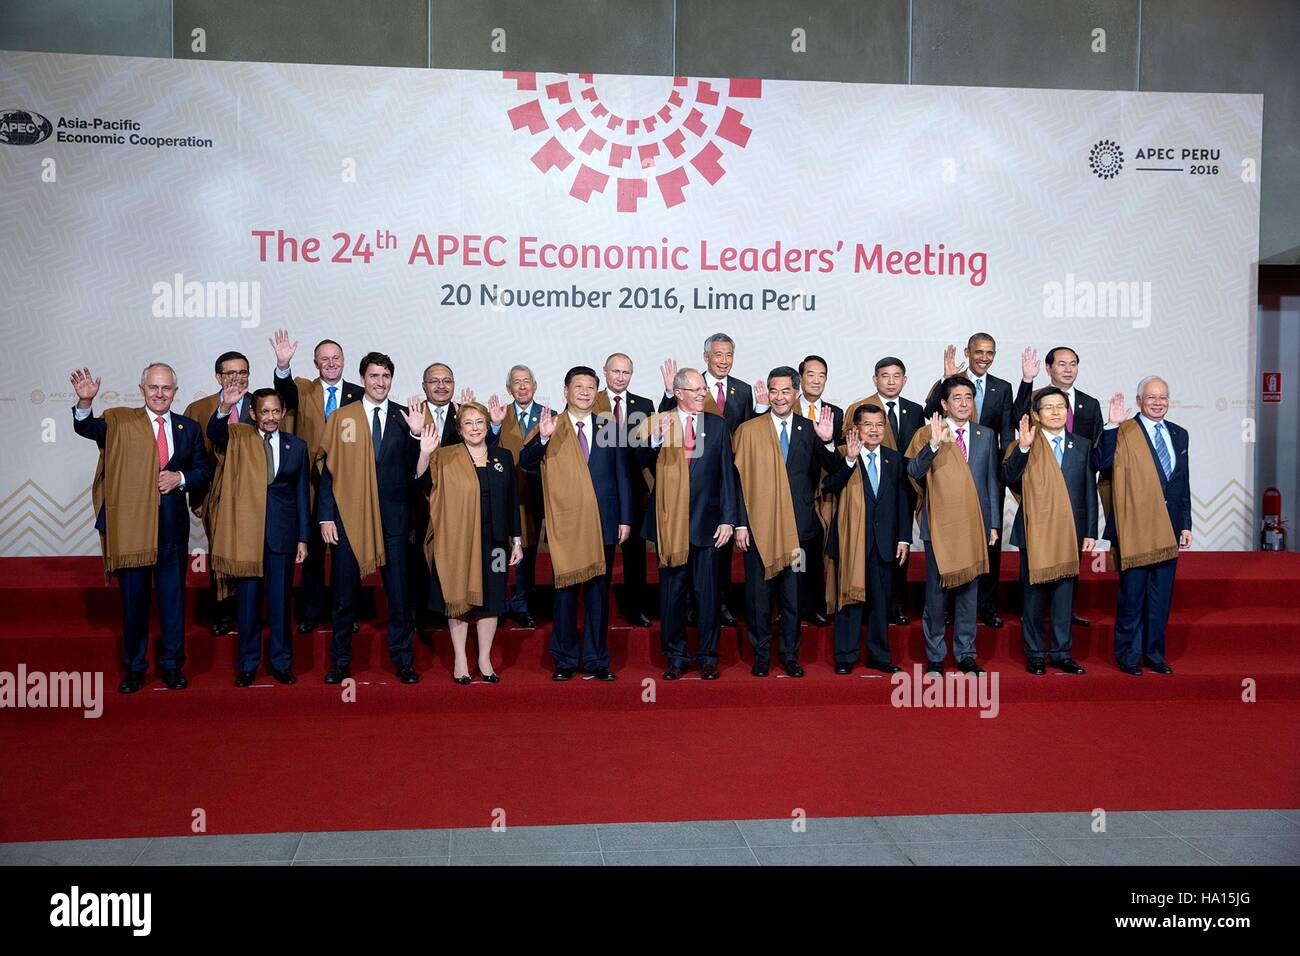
[1061, 193]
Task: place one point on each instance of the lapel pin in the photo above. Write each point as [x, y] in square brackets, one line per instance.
[798, 428]
[179, 426]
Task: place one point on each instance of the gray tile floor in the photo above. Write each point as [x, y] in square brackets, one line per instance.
[1149, 838]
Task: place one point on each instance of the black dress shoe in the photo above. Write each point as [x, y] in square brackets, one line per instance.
[934, 667]
[709, 672]
[337, 675]
[132, 681]
[1069, 665]
[307, 625]
[898, 618]
[244, 678]
[792, 668]
[175, 680]
[844, 668]
[640, 619]
[523, 618]
[563, 673]
[1077, 621]
[222, 627]
[818, 619]
[1134, 671]
[968, 666]
[674, 672]
[493, 678]
[407, 675]
[991, 619]
[760, 669]
[1037, 668]
[285, 676]
[1161, 668]
[463, 681]
[726, 617]
[602, 673]
[883, 666]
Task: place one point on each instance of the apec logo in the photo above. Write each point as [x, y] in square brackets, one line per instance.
[23, 128]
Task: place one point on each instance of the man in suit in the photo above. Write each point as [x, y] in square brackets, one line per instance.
[285, 532]
[888, 513]
[807, 450]
[606, 463]
[394, 436]
[183, 469]
[1083, 418]
[310, 408]
[713, 501]
[439, 384]
[977, 446]
[992, 410]
[811, 401]
[1146, 591]
[628, 411]
[233, 368]
[1072, 455]
[730, 398]
[519, 419]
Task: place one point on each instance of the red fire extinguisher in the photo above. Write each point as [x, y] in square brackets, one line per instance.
[1273, 533]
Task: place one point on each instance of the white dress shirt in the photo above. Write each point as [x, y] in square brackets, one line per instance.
[81, 414]
[370, 407]
[965, 437]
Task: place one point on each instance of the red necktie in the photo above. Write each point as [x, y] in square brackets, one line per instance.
[618, 410]
[722, 402]
[163, 454]
[689, 444]
[1069, 414]
[961, 441]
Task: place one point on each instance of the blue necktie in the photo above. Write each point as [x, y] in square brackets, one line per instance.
[871, 472]
[1162, 451]
[376, 435]
[785, 441]
[979, 398]
[331, 405]
[1056, 450]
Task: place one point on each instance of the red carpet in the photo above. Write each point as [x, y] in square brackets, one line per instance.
[275, 758]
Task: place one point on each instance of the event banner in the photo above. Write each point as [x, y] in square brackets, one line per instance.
[170, 210]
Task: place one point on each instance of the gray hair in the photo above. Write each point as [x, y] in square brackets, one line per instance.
[153, 365]
[520, 368]
[682, 378]
[1142, 385]
[718, 337]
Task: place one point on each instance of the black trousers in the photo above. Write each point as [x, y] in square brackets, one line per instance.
[312, 594]
[278, 578]
[634, 598]
[1055, 598]
[347, 584]
[988, 586]
[592, 644]
[758, 609]
[697, 577]
[848, 620]
[812, 579]
[136, 585]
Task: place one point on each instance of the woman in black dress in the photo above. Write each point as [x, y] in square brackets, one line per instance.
[473, 536]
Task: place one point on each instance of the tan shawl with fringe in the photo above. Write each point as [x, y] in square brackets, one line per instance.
[766, 487]
[511, 440]
[672, 485]
[346, 450]
[126, 486]
[453, 543]
[1146, 535]
[238, 505]
[1051, 542]
[956, 522]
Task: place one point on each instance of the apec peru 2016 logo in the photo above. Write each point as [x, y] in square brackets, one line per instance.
[624, 136]
[23, 128]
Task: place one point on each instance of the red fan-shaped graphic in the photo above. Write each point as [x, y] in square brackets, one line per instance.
[644, 138]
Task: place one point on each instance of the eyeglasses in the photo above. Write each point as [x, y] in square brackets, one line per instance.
[439, 381]
[243, 373]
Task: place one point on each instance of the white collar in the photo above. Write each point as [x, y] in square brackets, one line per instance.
[371, 406]
[526, 410]
[954, 426]
[788, 420]
[1052, 436]
[712, 382]
[575, 417]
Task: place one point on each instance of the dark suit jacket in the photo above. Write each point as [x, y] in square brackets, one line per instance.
[1080, 483]
[189, 456]
[997, 409]
[534, 416]
[1088, 420]
[287, 498]
[804, 464]
[837, 414]
[348, 392]
[889, 514]
[503, 496]
[739, 407]
[714, 492]
[983, 462]
[607, 464]
[1177, 487]
[450, 433]
[394, 473]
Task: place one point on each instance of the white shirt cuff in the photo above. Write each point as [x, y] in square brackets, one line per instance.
[81, 414]
[283, 372]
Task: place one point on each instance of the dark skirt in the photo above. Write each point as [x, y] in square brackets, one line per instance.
[494, 581]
